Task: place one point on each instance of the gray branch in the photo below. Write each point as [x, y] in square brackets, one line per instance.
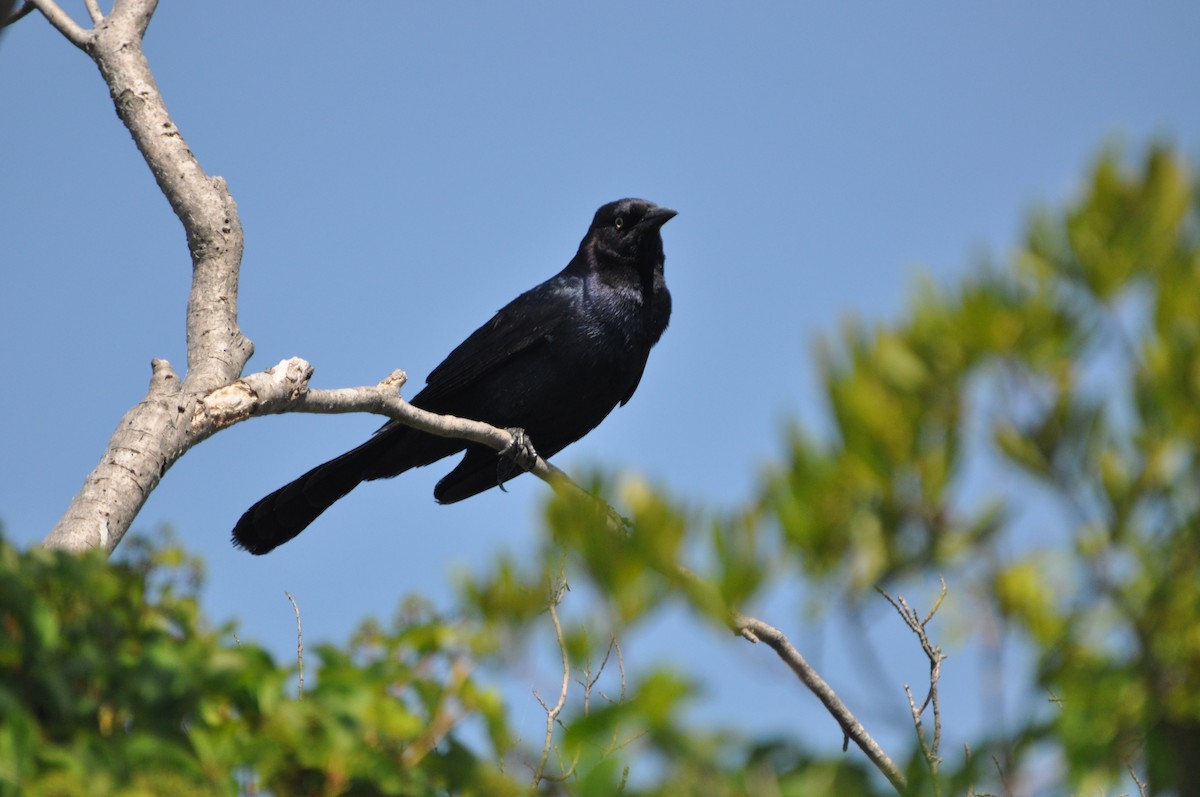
[757, 631]
[284, 388]
[62, 21]
[155, 433]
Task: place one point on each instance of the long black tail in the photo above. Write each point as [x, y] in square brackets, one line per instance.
[286, 512]
[289, 510]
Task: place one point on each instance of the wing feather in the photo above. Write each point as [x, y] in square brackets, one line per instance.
[519, 326]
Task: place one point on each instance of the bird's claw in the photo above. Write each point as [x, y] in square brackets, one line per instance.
[519, 452]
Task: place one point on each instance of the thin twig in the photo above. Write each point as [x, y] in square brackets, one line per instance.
[1141, 787]
[93, 9]
[63, 22]
[1003, 780]
[552, 712]
[929, 749]
[757, 631]
[928, 752]
[620, 667]
[299, 642]
[588, 681]
[613, 645]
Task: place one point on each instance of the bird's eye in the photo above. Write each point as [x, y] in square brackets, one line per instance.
[619, 222]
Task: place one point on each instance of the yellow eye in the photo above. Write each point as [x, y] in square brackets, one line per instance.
[619, 222]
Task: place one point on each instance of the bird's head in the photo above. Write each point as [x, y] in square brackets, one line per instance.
[629, 229]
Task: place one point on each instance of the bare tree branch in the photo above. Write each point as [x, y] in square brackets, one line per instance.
[757, 631]
[588, 679]
[93, 9]
[929, 749]
[60, 20]
[299, 643]
[280, 389]
[1143, 791]
[130, 468]
[552, 712]
[284, 388]
[155, 433]
[1008, 792]
[216, 348]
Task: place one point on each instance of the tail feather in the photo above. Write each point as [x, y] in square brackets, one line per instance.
[289, 510]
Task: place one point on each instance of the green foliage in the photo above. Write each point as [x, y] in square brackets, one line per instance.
[110, 683]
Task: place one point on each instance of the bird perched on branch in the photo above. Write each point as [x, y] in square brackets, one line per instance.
[554, 362]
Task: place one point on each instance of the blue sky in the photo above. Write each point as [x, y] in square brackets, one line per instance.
[404, 169]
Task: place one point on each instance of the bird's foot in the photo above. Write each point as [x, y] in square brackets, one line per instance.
[519, 452]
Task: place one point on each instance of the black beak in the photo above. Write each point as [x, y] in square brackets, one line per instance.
[658, 217]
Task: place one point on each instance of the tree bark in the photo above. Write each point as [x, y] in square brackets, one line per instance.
[155, 433]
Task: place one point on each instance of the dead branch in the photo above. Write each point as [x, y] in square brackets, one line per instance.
[299, 644]
[1143, 790]
[757, 631]
[552, 712]
[154, 433]
[60, 20]
[929, 748]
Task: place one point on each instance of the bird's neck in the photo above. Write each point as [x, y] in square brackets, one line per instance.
[596, 258]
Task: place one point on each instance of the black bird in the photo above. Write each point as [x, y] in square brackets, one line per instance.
[554, 362]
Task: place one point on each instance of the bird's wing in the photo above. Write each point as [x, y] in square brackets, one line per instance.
[637, 380]
[521, 325]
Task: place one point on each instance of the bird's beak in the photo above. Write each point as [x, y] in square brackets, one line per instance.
[658, 217]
